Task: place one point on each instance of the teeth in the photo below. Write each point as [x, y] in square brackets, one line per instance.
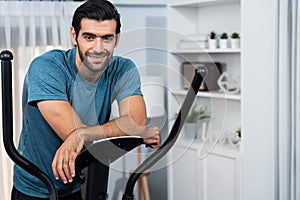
[98, 56]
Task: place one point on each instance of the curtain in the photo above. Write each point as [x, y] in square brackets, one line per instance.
[288, 97]
[28, 29]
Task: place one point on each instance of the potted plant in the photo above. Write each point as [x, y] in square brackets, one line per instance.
[212, 41]
[235, 40]
[193, 118]
[223, 41]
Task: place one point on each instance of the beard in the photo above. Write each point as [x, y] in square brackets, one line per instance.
[99, 60]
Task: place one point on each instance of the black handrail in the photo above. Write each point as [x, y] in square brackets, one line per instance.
[7, 119]
[200, 73]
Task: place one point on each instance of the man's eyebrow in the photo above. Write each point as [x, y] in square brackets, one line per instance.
[93, 35]
[88, 34]
[109, 35]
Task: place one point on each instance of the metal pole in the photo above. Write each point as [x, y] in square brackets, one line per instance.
[7, 115]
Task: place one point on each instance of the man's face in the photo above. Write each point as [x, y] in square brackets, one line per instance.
[95, 46]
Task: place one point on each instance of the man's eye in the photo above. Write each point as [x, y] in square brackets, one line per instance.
[89, 37]
[108, 38]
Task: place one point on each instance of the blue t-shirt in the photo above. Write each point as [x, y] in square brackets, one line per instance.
[52, 76]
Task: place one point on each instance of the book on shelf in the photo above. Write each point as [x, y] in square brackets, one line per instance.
[194, 42]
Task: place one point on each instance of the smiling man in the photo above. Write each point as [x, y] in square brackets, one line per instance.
[67, 99]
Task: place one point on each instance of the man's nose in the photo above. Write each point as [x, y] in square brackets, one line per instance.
[98, 44]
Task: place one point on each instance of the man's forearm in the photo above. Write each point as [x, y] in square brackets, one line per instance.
[122, 126]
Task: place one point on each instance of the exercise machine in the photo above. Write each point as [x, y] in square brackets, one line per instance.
[98, 156]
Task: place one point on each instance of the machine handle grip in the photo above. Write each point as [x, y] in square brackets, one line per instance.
[7, 120]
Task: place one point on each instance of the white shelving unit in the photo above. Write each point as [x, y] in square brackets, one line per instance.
[200, 3]
[215, 176]
[212, 95]
[210, 51]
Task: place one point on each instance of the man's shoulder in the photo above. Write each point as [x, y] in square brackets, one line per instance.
[121, 63]
[55, 58]
[54, 55]
[120, 59]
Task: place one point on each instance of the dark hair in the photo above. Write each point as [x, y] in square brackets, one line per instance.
[99, 10]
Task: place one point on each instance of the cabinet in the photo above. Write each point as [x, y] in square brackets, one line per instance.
[204, 169]
[215, 177]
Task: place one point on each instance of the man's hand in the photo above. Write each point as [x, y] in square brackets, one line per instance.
[63, 165]
[152, 137]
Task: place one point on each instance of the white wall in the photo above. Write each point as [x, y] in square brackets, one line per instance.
[258, 99]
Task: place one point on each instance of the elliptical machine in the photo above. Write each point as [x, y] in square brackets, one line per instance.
[120, 145]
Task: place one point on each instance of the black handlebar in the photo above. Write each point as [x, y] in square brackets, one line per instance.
[7, 118]
[200, 73]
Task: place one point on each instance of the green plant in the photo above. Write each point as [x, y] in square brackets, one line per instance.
[212, 35]
[195, 114]
[224, 36]
[235, 35]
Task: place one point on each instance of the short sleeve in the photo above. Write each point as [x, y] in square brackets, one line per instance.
[46, 81]
[129, 83]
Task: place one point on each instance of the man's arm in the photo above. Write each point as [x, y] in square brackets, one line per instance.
[60, 116]
[132, 121]
[63, 119]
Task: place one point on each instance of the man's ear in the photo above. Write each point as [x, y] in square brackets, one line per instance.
[117, 40]
[73, 36]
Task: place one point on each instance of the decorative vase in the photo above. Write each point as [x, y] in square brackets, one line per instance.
[235, 43]
[223, 43]
[191, 129]
[212, 43]
[202, 131]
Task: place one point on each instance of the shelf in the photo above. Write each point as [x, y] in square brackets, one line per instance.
[191, 21]
[215, 95]
[202, 51]
[219, 149]
[195, 3]
[138, 3]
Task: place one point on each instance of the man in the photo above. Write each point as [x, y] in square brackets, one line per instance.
[67, 99]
